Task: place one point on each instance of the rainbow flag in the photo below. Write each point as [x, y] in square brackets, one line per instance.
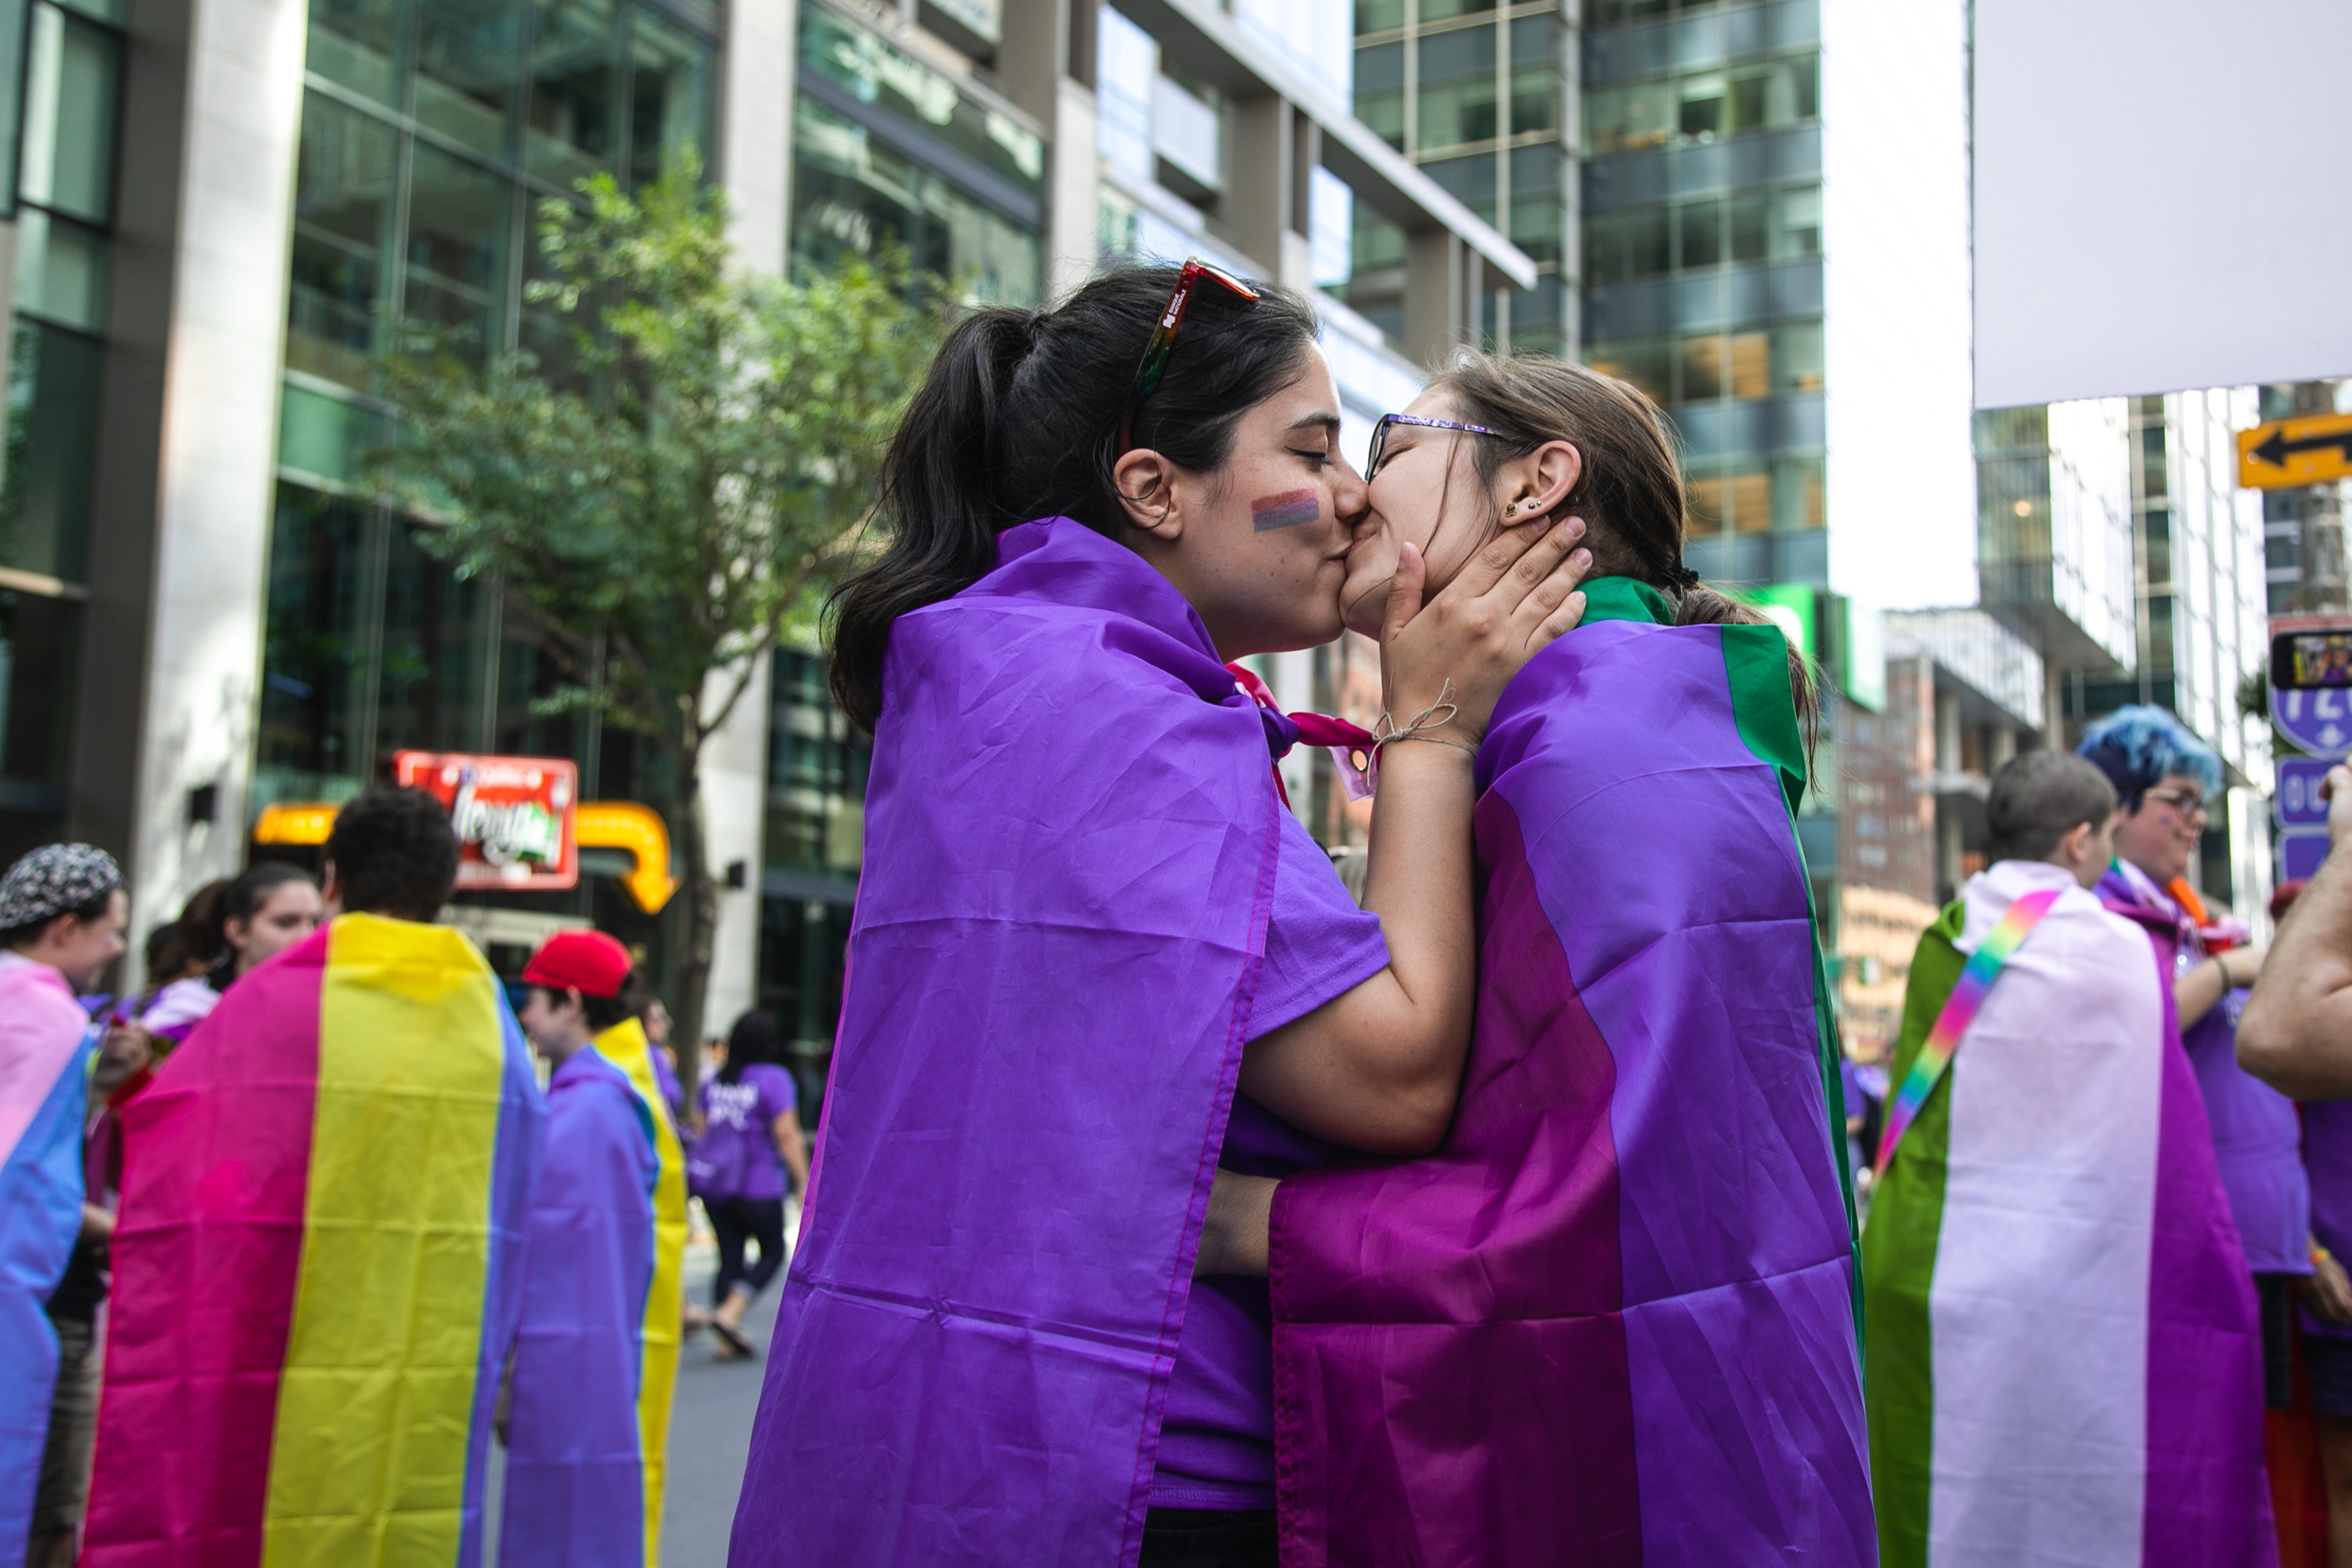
[318, 1264]
[2065, 1366]
[626, 1046]
[45, 1048]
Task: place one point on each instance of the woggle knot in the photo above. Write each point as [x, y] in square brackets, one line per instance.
[1436, 716]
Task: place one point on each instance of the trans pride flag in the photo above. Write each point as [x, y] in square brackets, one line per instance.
[2065, 1367]
[1612, 1319]
[45, 1045]
[316, 1265]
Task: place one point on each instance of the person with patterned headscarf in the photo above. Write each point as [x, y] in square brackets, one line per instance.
[61, 913]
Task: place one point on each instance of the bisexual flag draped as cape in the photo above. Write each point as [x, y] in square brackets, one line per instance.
[44, 1044]
[1612, 1319]
[2065, 1367]
[318, 1264]
[1070, 847]
[578, 1488]
[661, 1329]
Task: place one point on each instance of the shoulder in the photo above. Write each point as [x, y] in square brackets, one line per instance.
[775, 1085]
[39, 999]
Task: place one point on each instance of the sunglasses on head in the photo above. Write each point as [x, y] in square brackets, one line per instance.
[1379, 448]
[1163, 337]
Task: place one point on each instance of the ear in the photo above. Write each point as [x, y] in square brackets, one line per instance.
[1146, 483]
[329, 892]
[1540, 482]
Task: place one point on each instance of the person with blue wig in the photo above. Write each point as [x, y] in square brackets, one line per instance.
[2165, 781]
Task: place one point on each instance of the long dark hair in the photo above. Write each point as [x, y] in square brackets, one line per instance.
[1630, 493]
[1017, 420]
[750, 1042]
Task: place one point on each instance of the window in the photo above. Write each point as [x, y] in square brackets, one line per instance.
[1457, 89]
[468, 57]
[37, 639]
[1799, 346]
[1739, 499]
[1626, 118]
[314, 660]
[574, 88]
[1797, 226]
[669, 97]
[344, 184]
[1647, 363]
[1799, 499]
[1623, 246]
[461, 222]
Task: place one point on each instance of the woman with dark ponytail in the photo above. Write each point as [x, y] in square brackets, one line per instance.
[1612, 1319]
[1095, 968]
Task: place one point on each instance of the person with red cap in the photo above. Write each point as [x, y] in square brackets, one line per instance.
[597, 1355]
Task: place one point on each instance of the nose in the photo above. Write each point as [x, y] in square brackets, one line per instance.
[1351, 497]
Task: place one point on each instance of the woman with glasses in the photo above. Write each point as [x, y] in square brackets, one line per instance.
[2165, 777]
[1094, 960]
[1612, 1318]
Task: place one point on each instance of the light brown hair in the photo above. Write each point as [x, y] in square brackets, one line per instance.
[1630, 494]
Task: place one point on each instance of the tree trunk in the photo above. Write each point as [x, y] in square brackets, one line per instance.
[699, 895]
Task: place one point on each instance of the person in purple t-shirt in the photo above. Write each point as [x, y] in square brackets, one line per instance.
[748, 1152]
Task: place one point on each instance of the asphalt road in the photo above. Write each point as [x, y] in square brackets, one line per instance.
[710, 1432]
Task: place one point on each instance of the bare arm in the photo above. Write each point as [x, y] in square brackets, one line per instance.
[1235, 1238]
[2296, 1035]
[2200, 991]
[1379, 1067]
[792, 1148]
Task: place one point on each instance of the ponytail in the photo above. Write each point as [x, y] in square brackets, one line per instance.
[1018, 420]
[936, 487]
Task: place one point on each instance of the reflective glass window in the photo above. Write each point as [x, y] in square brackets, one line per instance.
[1797, 224]
[1470, 180]
[669, 95]
[1701, 227]
[1623, 247]
[851, 194]
[573, 123]
[1750, 364]
[37, 639]
[69, 98]
[314, 656]
[459, 227]
[1647, 363]
[1800, 494]
[1379, 16]
[891, 80]
[1441, 10]
[430, 689]
[468, 60]
[1748, 227]
[61, 269]
[1457, 89]
[356, 44]
[1701, 116]
[1799, 345]
[345, 202]
[52, 447]
[1706, 368]
[1624, 118]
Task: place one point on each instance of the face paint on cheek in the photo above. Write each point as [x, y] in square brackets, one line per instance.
[1287, 511]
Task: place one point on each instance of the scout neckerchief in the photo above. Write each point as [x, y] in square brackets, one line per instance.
[1960, 1012]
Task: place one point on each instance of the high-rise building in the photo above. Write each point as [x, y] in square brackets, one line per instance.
[214, 212]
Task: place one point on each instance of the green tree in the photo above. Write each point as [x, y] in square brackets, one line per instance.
[680, 494]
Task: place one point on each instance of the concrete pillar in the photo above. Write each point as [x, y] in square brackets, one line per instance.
[176, 636]
[1948, 733]
[754, 158]
[2000, 748]
[1048, 59]
[1435, 282]
[1258, 201]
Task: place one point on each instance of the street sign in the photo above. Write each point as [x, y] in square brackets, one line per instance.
[2300, 850]
[2290, 452]
[515, 816]
[2299, 803]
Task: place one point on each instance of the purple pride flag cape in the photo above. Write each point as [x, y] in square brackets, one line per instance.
[45, 1046]
[575, 1494]
[2065, 1367]
[1070, 851]
[1612, 1319]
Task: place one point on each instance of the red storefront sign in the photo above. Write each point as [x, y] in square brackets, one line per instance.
[515, 816]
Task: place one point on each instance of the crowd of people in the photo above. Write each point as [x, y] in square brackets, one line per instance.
[345, 1232]
[1181, 1204]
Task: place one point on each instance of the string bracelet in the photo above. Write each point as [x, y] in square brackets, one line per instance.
[1436, 716]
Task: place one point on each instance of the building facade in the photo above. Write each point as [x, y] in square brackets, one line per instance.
[208, 618]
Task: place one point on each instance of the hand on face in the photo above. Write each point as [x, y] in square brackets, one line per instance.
[1259, 546]
[1428, 494]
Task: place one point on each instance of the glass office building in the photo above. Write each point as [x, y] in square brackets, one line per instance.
[59, 173]
[1479, 96]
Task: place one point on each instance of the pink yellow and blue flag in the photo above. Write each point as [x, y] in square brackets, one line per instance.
[318, 1264]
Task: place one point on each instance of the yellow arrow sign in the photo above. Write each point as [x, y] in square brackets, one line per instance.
[2290, 452]
[601, 825]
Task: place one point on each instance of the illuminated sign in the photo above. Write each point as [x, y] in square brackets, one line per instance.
[515, 816]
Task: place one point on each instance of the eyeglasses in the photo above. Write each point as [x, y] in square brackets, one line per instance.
[1379, 447]
[1164, 338]
[2187, 803]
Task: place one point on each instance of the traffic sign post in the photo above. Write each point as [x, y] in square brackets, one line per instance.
[2300, 810]
[2311, 707]
[2287, 453]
